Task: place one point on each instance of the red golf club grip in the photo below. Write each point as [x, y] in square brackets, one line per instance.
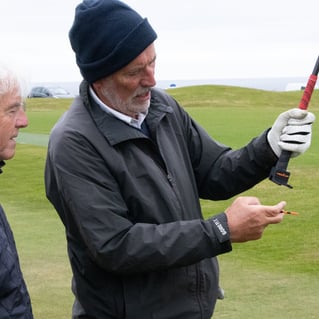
[279, 173]
[309, 87]
[308, 91]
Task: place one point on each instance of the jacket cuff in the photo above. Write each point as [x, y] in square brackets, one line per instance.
[221, 230]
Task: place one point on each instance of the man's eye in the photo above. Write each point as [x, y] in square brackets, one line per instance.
[14, 109]
[133, 73]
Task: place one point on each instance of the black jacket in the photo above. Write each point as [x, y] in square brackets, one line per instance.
[14, 298]
[137, 242]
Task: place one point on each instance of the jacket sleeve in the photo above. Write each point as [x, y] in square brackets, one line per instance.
[222, 172]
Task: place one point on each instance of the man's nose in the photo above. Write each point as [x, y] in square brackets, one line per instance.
[22, 119]
[149, 77]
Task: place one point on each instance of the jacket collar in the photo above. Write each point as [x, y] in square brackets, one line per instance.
[2, 163]
[115, 130]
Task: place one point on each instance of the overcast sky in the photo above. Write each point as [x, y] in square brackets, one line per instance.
[202, 39]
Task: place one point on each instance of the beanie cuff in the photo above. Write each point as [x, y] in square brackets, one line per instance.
[124, 52]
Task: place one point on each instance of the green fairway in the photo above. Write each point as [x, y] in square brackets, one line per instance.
[275, 277]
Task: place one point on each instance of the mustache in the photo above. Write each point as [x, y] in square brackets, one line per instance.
[143, 91]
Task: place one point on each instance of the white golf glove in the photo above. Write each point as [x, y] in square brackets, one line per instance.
[291, 132]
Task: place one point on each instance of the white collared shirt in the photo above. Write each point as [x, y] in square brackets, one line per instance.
[125, 118]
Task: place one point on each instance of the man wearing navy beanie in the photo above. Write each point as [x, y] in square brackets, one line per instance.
[126, 168]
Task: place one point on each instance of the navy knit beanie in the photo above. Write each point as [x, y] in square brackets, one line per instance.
[106, 35]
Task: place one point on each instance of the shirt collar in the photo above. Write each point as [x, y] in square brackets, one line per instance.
[125, 118]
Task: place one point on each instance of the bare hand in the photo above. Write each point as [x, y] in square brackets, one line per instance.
[247, 218]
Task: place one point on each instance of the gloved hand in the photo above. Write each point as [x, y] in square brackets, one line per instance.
[291, 132]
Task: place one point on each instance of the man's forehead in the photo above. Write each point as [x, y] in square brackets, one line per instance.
[10, 99]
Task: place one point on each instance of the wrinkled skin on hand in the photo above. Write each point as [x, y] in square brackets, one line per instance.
[247, 218]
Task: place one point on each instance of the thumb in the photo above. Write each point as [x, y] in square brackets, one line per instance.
[284, 118]
[296, 113]
[280, 206]
[276, 209]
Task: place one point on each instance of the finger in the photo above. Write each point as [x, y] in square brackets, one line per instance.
[274, 214]
[298, 148]
[252, 200]
[300, 129]
[275, 219]
[294, 139]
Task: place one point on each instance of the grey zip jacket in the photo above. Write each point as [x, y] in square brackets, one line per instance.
[137, 241]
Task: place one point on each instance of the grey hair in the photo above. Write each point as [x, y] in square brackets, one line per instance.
[11, 80]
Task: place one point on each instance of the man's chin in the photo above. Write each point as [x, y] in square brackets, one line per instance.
[142, 107]
[7, 154]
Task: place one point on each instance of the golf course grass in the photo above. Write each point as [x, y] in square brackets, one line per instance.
[274, 277]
